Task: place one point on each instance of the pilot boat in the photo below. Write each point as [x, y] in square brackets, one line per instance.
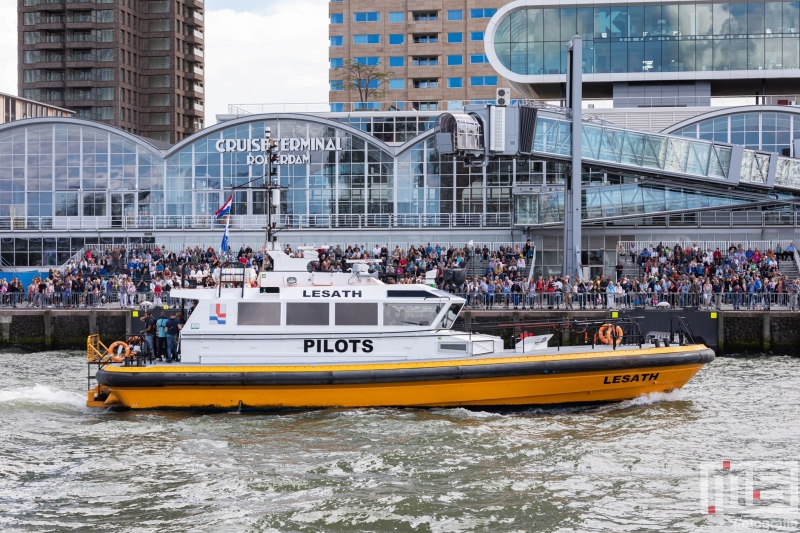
[301, 339]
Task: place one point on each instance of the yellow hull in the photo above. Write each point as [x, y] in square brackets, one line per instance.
[523, 390]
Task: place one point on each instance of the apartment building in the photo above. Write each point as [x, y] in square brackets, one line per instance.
[133, 64]
[434, 48]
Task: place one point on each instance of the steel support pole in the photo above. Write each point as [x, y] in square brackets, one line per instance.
[572, 190]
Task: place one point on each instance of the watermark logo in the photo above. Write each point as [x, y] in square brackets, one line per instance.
[752, 491]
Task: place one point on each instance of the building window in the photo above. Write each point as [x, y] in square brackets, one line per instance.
[158, 81]
[454, 61]
[106, 54]
[425, 61]
[158, 25]
[337, 40]
[31, 37]
[397, 61]
[426, 38]
[337, 107]
[158, 100]
[397, 38]
[337, 85]
[427, 16]
[455, 83]
[66, 204]
[485, 13]
[478, 58]
[396, 16]
[94, 204]
[455, 14]
[337, 18]
[426, 84]
[337, 62]
[159, 119]
[476, 36]
[481, 81]
[157, 62]
[370, 38]
[396, 85]
[369, 16]
[455, 37]
[160, 43]
[370, 61]
[425, 106]
[158, 6]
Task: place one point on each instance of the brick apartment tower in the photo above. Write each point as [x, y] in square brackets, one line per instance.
[134, 64]
[434, 46]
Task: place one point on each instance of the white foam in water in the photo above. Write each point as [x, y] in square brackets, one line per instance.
[648, 399]
[42, 394]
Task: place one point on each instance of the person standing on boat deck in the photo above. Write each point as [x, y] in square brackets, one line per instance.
[161, 335]
[173, 328]
[149, 333]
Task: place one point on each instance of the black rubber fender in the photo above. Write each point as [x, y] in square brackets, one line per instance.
[173, 378]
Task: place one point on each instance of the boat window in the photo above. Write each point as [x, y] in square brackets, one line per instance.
[410, 314]
[307, 314]
[259, 314]
[356, 314]
[450, 316]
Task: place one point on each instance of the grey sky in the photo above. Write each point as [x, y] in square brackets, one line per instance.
[257, 51]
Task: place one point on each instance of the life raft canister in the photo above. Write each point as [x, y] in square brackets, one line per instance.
[119, 357]
[608, 333]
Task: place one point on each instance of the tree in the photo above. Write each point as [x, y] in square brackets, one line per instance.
[368, 80]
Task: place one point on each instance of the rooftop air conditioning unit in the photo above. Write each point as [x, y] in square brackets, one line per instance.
[503, 96]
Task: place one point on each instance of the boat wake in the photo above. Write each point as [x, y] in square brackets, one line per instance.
[42, 394]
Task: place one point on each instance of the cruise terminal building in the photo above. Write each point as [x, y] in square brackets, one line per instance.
[69, 183]
[683, 140]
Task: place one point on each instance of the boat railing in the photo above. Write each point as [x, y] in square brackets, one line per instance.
[613, 332]
[679, 327]
[231, 274]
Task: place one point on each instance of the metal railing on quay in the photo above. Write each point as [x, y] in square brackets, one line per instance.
[731, 301]
[702, 246]
[733, 219]
[498, 301]
[588, 104]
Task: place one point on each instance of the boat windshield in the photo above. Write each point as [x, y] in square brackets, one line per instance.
[450, 316]
[410, 314]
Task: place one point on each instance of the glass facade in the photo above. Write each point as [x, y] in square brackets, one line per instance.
[57, 174]
[772, 132]
[653, 38]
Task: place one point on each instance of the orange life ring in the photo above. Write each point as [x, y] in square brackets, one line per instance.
[608, 332]
[119, 358]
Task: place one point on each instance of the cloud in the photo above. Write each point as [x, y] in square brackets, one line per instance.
[8, 44]
[255, 52]
[275, 56]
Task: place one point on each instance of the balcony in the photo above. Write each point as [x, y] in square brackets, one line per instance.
[80, 40]
[198, 89]
[195, 18]
[195, 36]
[50, 45]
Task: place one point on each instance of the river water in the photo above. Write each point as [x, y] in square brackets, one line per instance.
[639, 465]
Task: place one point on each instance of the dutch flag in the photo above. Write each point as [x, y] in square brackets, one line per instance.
[225, 209]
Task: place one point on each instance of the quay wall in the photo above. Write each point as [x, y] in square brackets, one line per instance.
[732, 332]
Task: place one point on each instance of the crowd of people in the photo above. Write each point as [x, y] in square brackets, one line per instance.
[126, 277]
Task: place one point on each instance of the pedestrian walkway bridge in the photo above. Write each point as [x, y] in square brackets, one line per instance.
[659, 156]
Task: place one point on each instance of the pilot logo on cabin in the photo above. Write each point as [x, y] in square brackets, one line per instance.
[218, 314]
